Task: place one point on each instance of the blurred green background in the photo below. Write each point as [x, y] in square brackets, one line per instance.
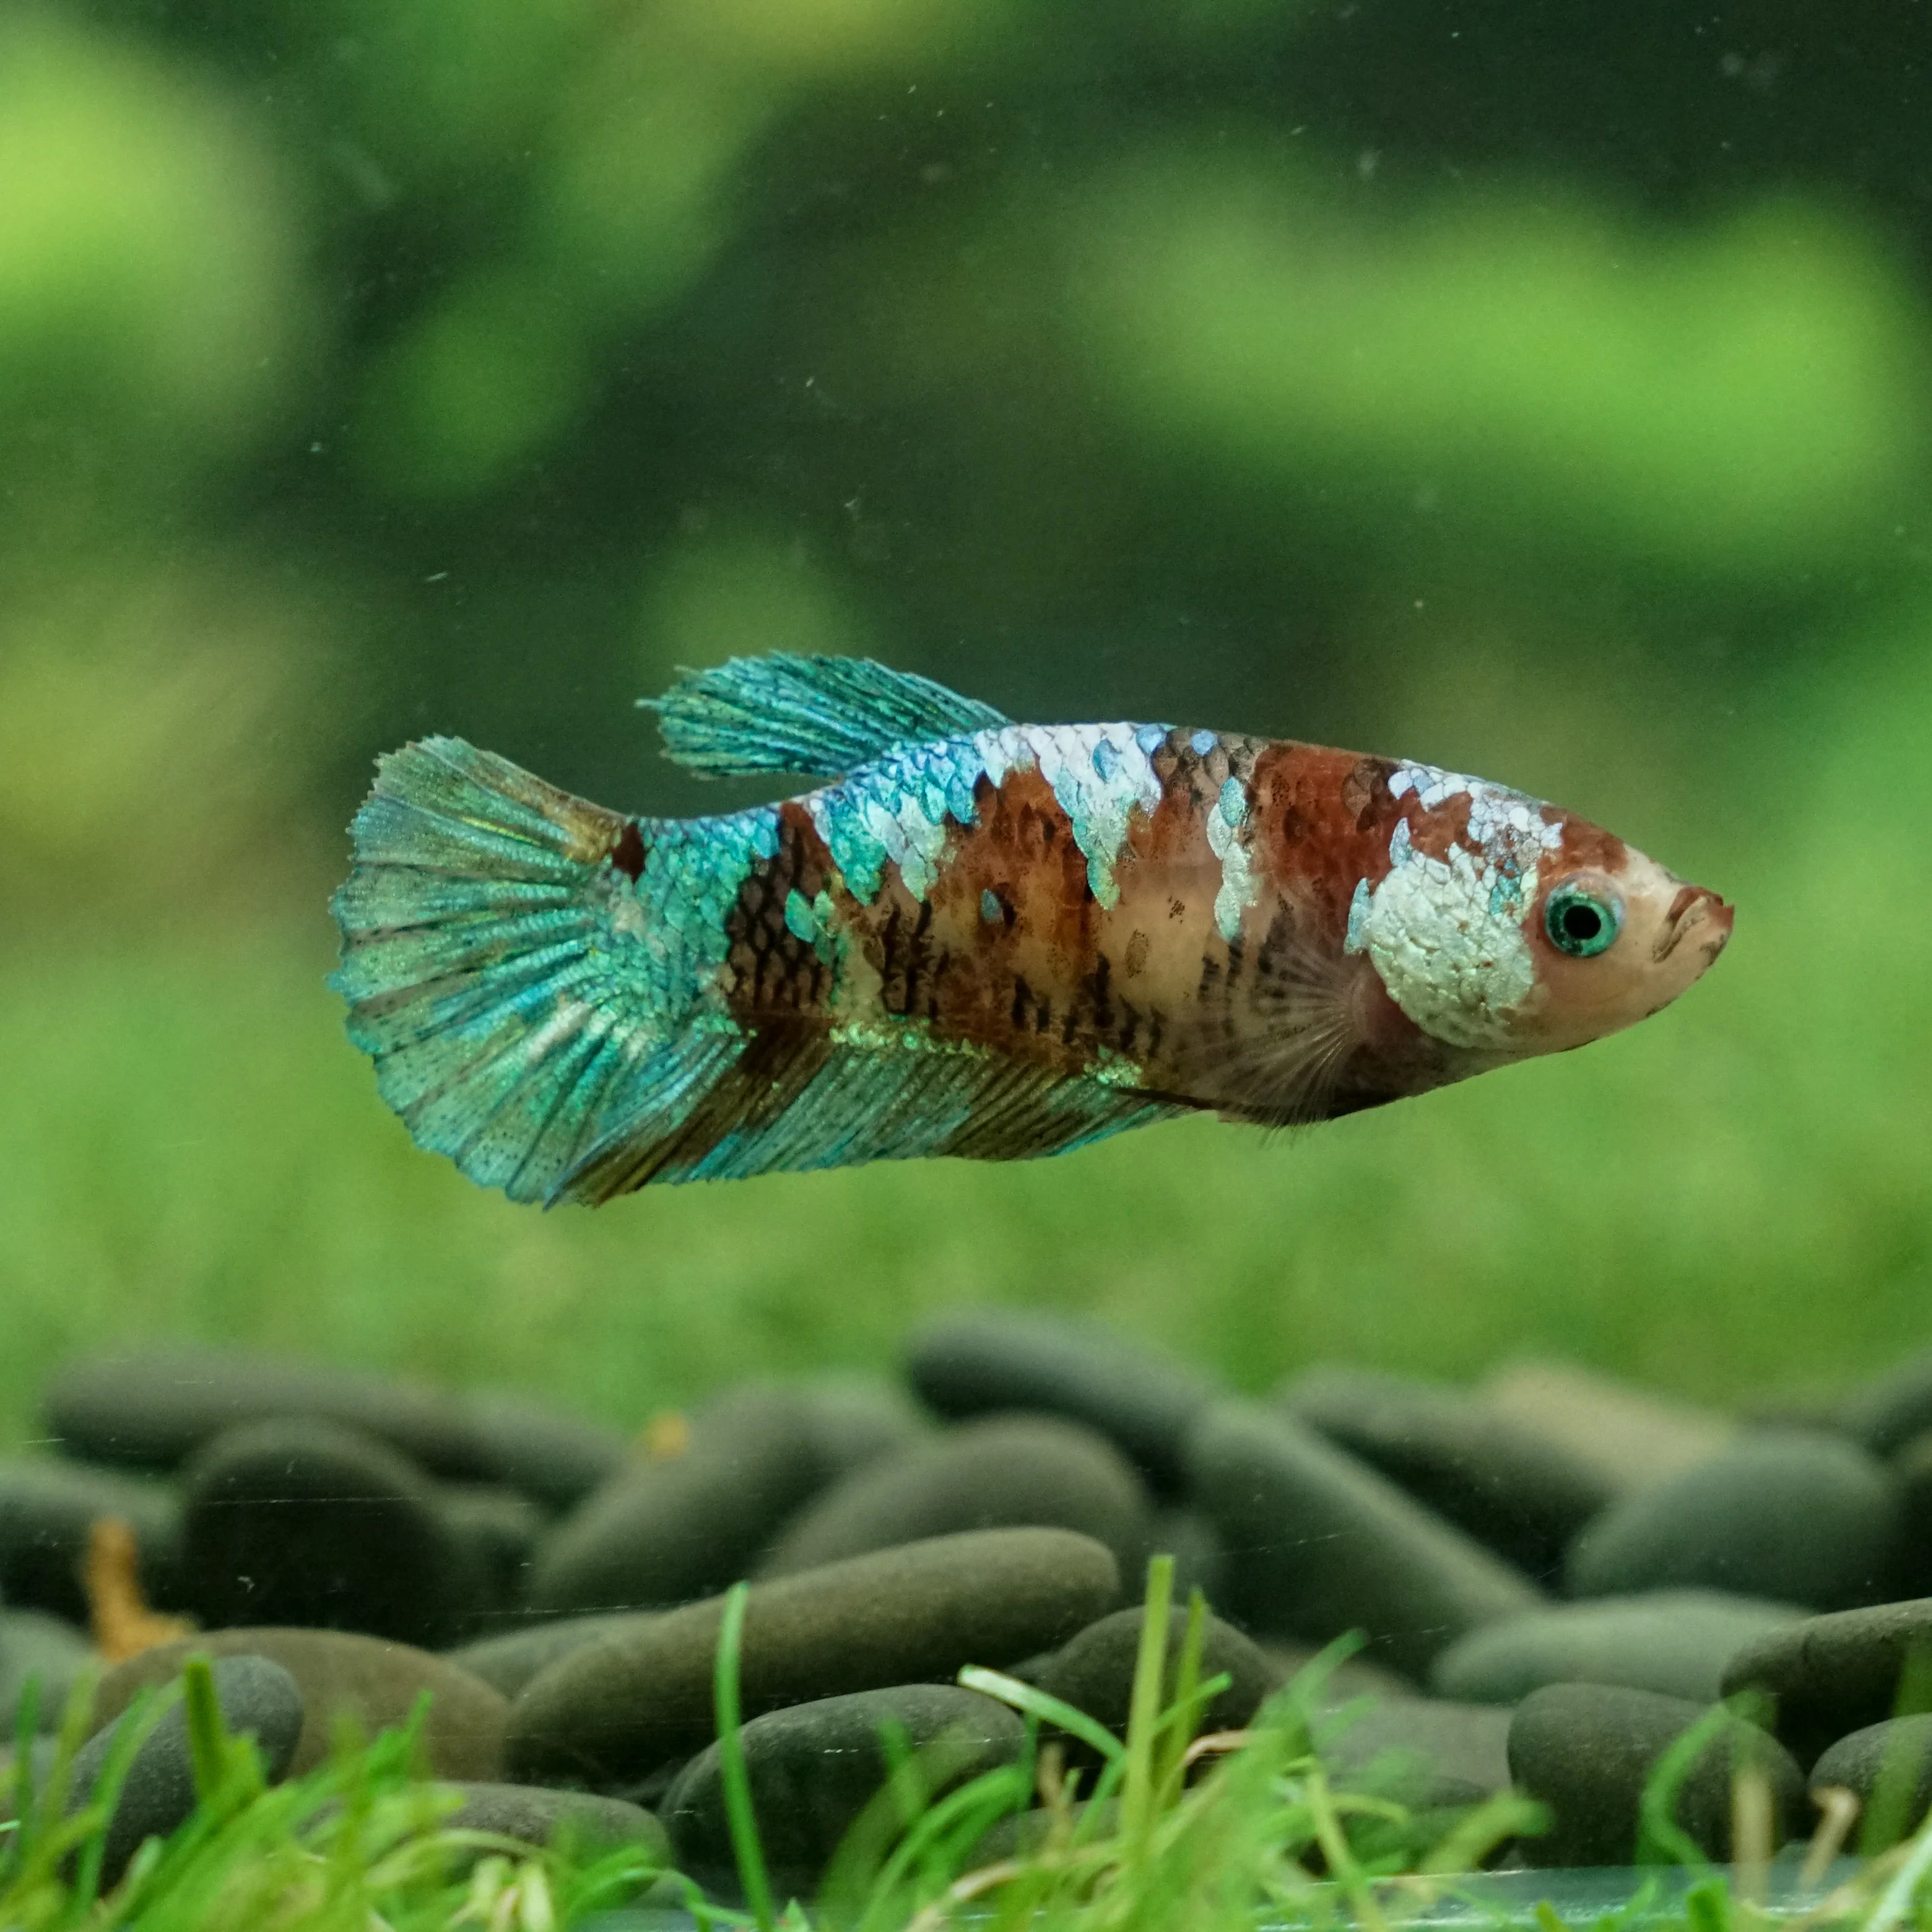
[1542, 390]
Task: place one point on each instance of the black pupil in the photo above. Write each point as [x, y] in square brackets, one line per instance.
[1582, 921]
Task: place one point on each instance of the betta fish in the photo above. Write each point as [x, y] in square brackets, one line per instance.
[977, 938]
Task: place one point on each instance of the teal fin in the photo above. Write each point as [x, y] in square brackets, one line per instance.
[485, 976]
[521, 995]
[800, 1100]
[821, 716]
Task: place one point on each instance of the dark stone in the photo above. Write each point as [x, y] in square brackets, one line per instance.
[996, 1474]
[46, 1509]
[1793, 1516]
[539, 1815]
[1629, 1437]
[555, 1460]
[45, 1650]
[1094, 1671]
[1588, 1750]
[814, 1768]
[1828, 1676]
[1890, 1763]
[1912, 1466]
[257, 1696]
[855, 1419]
[309, 1523]
[496, 1529]
[1427, 1752]
[1675, 1642]
[1522, 1495]
[1887, 1412]
[615, 1710]
[1355, 1676]
[1200, 1563]
[510, 1659]
[153, 1410]
[666, 1531]
[1319, 1543]
[990, 1360]
[1021, 1834]
[339, 1674]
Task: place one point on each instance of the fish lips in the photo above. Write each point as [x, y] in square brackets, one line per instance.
[1697, 910]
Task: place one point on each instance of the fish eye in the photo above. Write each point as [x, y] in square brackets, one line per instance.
[1583, 920]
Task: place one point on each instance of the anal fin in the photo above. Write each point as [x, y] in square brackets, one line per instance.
[799, 1098]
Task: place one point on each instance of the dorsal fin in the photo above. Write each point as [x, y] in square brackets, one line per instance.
[820, 716]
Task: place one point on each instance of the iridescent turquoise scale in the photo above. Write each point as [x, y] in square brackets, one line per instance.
[545, 987]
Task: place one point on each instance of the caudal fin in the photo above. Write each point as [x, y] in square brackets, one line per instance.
[538, 980]
[476, 964]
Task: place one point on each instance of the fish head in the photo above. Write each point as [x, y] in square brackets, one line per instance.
[1615, 937]
[1503, 927]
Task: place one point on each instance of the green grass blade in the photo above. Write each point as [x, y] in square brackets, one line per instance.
[1023, 1697]
[26, 1728]
[1137, 1794]
[208, 1741]
[137, 1725]
[1179, 1722]
[1660, 1839]
[733, 1774]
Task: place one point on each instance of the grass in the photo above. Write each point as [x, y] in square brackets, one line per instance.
[1214, 1833]
[1727, 1199]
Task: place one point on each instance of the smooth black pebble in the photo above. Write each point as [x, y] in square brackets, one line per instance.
[1318, 1543]
[1887, 1412]
[1429, 1752]
[1676, 1643]
[257, 1696]
[1912, 1466]
[309, 1523]
[996, 1474]
[1889, 1767]
[153, 1410]
[1515, 1491]
[553, 1458]
[1094, 1670]
[815, 1767]
[496, 1529]
[609, 1714]
[1794, 1516]
[509, 1659]
[47, 1509]
[1588, 1751]
[47, 1652]
[539, 1816]
[673, 1529]
[992, 1360]
[374, 1684]
[855, 1419]
[1828, 1676]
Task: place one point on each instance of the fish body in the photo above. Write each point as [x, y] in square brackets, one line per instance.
[980, 938]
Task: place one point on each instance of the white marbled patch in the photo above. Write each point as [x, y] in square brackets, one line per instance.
[1446, 934]
[1098, 773]
[1228, 833]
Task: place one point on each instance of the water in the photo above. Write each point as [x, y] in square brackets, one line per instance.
[1474, 388]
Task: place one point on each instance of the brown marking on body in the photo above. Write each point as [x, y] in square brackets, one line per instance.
[628, 854]
[774, 973]
[1325, 819]
[1012, 983]
[1587, 848]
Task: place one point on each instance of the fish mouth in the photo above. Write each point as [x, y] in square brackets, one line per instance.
[1694, 906]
